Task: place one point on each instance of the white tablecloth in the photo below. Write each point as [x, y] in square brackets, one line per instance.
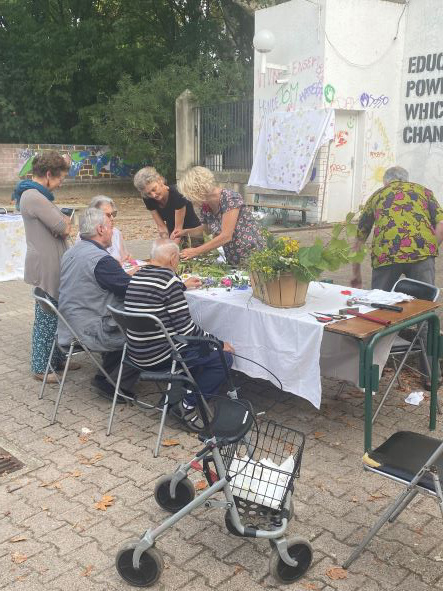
[289, 342]
[12, 247]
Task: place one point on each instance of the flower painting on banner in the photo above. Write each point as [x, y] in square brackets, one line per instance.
[287, 146]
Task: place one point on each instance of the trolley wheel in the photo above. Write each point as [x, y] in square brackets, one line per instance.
[230, 526]
[151, 565]
[298, 549]
[184, 493]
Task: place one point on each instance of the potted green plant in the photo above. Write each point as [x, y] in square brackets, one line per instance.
[281, 272]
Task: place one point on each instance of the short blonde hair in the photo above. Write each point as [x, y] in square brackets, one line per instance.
[196, 184]
[146, 176]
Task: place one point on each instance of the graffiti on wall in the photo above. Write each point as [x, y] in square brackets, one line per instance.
[307, 89]
[100, 160]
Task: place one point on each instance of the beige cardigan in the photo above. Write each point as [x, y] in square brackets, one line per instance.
[44, 226]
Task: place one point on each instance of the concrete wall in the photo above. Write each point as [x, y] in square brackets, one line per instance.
[420, 139]
[300, 45]
[297, 26]
[362, 76]
[361, 50]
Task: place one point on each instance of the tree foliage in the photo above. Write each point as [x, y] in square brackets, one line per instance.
[108, 71]
[139, 120]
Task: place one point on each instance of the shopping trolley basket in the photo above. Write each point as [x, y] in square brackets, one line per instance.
[255, 467]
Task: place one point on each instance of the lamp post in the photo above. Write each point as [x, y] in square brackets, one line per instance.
[264, 42]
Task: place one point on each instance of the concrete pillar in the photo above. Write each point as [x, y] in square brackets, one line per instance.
[184, 132]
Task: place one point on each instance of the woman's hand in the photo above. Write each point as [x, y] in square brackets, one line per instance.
[177, 233]
[189, 253]
[228, 348]
[193, 283]
[132, 270]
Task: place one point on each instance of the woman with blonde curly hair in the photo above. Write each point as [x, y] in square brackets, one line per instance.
[223, 214]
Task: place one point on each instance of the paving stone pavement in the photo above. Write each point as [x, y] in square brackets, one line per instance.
[52, 537]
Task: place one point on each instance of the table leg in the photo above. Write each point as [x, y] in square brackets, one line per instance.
[433, 350]
[367, 368]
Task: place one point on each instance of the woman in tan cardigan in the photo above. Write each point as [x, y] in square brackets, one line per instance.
[46, 231]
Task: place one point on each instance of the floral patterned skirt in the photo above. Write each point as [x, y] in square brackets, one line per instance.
[45, 327]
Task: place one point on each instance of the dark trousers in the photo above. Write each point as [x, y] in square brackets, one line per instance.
[207, 371]
[386, 277]
[111, 363]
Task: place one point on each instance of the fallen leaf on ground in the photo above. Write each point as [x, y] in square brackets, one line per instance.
[310, 586]
[87, 571]
[170, 442]
[238, 569]
[90, 461]
[105, 502]
[200, 485]
[84, 438]
[48, 439]
[18, 558]
[376, 496]
[288, 448]
[319, 434]
[18, 539]
[354, 500]
[336, 572]
[5, 457]
[419, 531]
[76, 473]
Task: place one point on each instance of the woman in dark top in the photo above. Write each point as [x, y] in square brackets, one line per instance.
[166, 204]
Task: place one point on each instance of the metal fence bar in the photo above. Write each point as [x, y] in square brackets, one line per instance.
[223, 136]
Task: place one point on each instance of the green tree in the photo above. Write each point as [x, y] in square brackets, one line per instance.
[67, 63]
[139, 120]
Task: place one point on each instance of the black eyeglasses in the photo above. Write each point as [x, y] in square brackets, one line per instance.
[112, 215]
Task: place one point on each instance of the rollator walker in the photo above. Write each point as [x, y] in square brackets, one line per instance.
[238, 459]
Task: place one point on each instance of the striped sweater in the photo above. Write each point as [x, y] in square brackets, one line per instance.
[158, 291]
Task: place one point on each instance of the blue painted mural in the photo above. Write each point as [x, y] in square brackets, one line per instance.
[101, 160]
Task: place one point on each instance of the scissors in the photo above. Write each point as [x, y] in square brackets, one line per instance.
[325, 317]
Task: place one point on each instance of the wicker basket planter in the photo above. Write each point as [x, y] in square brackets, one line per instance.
[283, 292]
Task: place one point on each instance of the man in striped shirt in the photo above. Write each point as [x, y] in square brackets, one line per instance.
[156, 289]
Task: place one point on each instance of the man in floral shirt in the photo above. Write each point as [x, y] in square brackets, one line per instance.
[408, 227]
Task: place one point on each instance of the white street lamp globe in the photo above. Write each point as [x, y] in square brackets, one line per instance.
[264, 41]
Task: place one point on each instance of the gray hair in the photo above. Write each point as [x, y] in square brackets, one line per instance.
[99, 200]
[89, 220]
[395, 173]
[163, 248]
[145, 176]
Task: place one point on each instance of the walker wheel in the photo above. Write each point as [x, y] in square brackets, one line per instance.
[184, 493]
[151, 565]
[300, 550]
